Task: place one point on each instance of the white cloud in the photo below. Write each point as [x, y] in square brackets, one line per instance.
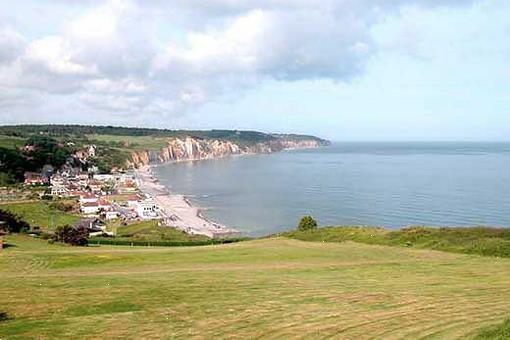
[157, 57]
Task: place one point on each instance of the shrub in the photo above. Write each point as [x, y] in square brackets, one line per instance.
[12, 223]
[74, 236]
[65, 206]
[4, 316]
[307, 223]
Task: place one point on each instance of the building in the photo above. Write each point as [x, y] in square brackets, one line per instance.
[111, 215]
[104, 177]
[34, 178]
[90, 208]
[93, 225]
[88, 198]
[59, 190]
[147, 209]
[132, 201]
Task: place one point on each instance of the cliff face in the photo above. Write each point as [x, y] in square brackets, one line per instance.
[190, 148]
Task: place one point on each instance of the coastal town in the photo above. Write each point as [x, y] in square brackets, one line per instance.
[128, 196]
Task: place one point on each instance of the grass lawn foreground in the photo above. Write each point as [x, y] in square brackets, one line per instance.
[274, 287]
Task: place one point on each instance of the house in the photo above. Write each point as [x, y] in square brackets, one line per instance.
[57, 180]
[147, 209]
[127, 187]
[132, 200]
[111, 215]
[90, 208]
[88, 198]
[34, 178]
[59, 190]
[104, 204]
[95, 186]
[93, 225]
[104, 177]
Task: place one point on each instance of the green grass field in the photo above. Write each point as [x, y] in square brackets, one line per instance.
[274, 288]
[39, 214]
[11, 142]
[133, 142]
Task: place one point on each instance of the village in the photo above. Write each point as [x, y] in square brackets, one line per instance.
[101, 197]
[121, 197]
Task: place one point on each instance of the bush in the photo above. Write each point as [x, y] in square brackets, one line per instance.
[12, 223]
[74, 236]
[65, 206]
[307, 223]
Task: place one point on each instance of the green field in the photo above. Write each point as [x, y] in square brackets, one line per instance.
[275, 288]
[11, 142]
[133, 142]
[39, 214]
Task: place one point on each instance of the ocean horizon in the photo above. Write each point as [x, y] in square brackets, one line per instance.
[387, 184]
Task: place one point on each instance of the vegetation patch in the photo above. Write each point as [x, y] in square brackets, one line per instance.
[41, 215]
[499, 332]
[474, 240]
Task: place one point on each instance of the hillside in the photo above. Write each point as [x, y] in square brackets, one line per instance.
[276, 288]
[86, 131]
[29, 147]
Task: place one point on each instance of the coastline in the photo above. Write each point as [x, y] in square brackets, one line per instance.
[176, 208]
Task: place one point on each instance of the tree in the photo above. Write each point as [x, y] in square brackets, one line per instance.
[75, 236]
[12, 223]
[307, 223]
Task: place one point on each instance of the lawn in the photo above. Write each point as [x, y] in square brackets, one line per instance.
[275, 288]
[39, 214]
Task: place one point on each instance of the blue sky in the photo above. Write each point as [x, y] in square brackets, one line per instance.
[343, 70]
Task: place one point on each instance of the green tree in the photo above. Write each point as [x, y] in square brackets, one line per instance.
[12, 223]
[77, 236]
[307, 223]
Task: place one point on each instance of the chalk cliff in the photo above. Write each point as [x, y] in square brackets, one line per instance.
[190, 148]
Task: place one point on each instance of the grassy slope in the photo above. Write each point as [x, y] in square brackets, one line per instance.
[265, 288]
[479, 240]
[40, 214]
[149, 231]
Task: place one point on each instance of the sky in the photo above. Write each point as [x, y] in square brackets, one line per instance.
[339, 69]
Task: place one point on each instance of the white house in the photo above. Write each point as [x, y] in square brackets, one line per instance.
[90, 208]
[88, 198]
[59, 190]
[147, 209]
[104, 177]
[111, 215]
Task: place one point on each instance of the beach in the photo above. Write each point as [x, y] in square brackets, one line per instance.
[177, 210]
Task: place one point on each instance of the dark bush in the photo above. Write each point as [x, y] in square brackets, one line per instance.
[75, 236]
[11, 223]
[307, 223]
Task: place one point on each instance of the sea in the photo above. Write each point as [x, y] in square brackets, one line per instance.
[390, 184]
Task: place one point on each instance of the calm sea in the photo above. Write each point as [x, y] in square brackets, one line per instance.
[383, 184]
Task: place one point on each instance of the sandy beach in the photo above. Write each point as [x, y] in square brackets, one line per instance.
[176, 209]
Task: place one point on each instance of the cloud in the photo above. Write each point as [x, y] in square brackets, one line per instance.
[153, 57]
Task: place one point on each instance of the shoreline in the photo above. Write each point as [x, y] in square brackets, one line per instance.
[177, 210]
